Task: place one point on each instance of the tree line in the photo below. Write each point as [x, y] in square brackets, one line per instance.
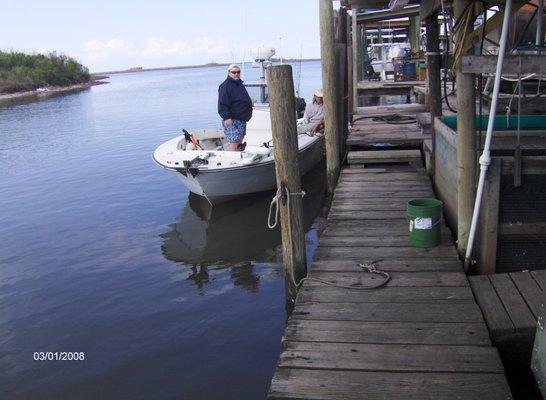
[21, 72]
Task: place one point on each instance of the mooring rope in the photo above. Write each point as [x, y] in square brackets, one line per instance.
[370, 267]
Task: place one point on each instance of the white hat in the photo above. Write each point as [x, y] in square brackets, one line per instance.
[233, 66]
[318, 93]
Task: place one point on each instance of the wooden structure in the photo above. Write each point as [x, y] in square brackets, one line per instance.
[285, 146]
[511, 304]
[421, 333]
[513, 221]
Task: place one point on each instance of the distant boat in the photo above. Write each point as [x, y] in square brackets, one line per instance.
[202, 163]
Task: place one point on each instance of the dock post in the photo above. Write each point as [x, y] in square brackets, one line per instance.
[341, 56]
[329, 72]
[433, 76]
[356, 47]
[414, 33]
[285, 146]
[466, 143]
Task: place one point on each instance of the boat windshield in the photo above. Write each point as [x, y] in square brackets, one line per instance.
[258, 92]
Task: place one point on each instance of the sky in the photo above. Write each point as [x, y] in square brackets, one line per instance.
[120, 34]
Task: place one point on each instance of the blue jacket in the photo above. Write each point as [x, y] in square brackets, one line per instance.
[233, 100]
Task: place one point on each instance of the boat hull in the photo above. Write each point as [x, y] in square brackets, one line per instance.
[222, 185]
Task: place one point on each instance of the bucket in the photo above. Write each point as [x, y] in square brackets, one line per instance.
[424, 222]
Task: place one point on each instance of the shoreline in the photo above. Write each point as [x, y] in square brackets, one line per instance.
[34, 95]
[137, 69]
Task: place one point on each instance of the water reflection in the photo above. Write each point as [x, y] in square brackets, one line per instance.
[234, 235]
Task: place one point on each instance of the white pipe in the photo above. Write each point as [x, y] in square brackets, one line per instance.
[485, 159]
[540, 19]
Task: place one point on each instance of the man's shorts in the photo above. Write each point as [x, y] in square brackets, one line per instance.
[236, 131]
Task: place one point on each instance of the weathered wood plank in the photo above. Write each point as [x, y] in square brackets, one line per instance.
[406, 265]
[362, 194]
[386, 156]
[479, 64]
[529, 289]
[392, 357]
[373, 139]
[495, 314]
[383, 241]
[510, 297]
[387, 332]
[380, 177]
[385, 186]
[398, 279]
[308, 384]
[393, 312]
[389, 109]
[432, 294]
[378, 215]
[540, 278]
[385, 253]
[374, 205]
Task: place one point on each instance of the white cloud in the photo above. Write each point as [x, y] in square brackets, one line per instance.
[153, 47]
[97, 50]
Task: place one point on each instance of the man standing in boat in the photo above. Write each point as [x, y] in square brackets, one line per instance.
[235, 107]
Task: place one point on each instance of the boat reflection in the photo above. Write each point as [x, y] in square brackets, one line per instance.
[234, 235]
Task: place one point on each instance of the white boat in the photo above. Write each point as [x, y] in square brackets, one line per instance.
[201, 161]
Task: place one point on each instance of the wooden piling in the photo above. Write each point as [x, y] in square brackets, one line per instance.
[341, 57]
[329, 71]
[357, 49]
[285, 146]
[415, 33]
[466, 144]
[433, 76]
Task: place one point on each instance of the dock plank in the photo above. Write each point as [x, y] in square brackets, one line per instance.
[377, 241]
[384, 253]
[389, 312]
[510, 297]
[398, 279]
[496, 316]
[389, 294]
[529, 290]
[388, 332]
[340, 265]
[390, 357]
[307, 384]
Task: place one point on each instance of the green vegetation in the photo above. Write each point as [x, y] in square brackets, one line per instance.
[20, 71]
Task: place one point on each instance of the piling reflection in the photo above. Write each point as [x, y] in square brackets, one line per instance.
[234, 235]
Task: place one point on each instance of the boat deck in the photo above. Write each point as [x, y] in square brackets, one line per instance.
[420, 336]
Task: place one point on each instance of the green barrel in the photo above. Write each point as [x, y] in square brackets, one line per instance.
[424, 222]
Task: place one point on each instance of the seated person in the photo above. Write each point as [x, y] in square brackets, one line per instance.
[313, 118]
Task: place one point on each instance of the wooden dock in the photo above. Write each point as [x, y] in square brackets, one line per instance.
[422, 336]
[373, 127]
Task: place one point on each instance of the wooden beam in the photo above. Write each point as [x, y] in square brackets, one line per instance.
[489, 220]
[466, 144]
[329, 71]
[433, 75]
[375, 16]
[473, 64]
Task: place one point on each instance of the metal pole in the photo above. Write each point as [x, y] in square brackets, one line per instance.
[485, 159]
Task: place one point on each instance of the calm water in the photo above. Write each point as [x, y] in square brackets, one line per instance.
[103, 252]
